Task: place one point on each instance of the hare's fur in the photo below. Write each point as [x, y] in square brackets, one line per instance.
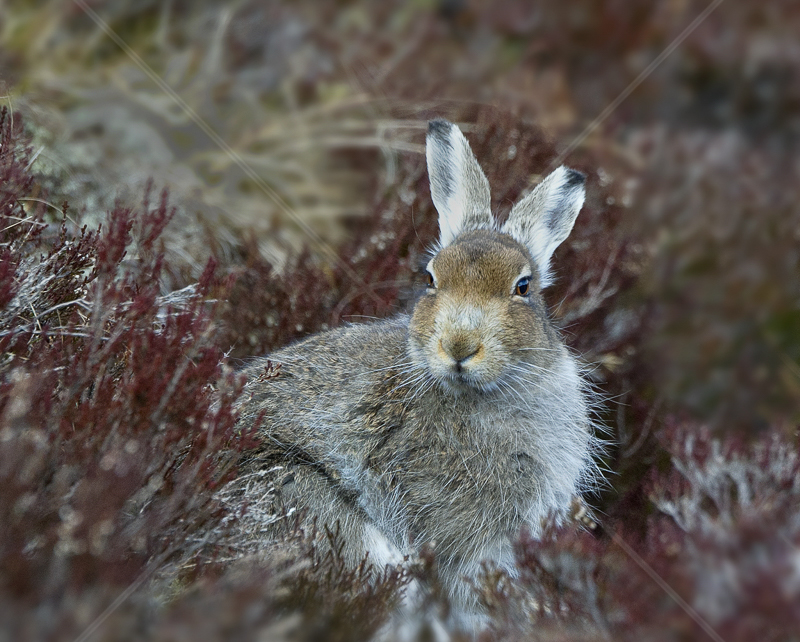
[452, 427]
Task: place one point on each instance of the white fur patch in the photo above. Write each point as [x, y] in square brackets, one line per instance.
[381, 550]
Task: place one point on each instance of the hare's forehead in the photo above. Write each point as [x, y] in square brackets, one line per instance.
[497, 257]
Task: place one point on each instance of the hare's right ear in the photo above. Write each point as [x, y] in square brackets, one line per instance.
[459, 187]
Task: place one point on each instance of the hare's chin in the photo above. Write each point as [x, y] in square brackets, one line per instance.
[465, 382]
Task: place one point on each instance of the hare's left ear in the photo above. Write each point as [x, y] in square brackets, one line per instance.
[544, 218]
[459, 188]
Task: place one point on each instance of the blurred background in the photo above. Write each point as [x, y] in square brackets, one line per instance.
[680, 284]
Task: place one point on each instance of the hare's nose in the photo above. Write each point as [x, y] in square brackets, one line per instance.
[459, 349]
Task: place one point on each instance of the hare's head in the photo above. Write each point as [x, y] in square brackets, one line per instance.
[482, 314]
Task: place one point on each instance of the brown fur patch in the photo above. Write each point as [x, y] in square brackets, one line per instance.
[493, 263]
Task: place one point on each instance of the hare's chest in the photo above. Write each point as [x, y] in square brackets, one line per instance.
[461, 475]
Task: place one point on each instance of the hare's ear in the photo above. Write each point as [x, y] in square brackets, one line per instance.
[544, 218]
[459, 188]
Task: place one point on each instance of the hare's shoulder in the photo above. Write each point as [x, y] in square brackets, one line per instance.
[328, 363]
[324, 395]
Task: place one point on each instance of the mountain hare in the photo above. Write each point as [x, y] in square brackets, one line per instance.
[452, 427]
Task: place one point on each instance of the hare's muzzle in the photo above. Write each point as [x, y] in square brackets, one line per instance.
[459, 350]
[464, 344]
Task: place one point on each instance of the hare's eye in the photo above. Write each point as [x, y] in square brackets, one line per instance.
[428, 279]
[523, 287]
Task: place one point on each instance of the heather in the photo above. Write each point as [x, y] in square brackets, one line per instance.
[126, 310]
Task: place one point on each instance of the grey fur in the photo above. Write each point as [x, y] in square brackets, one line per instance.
[375, 428]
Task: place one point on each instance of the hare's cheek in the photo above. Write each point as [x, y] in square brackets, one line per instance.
[525, 328]
[423, 321]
